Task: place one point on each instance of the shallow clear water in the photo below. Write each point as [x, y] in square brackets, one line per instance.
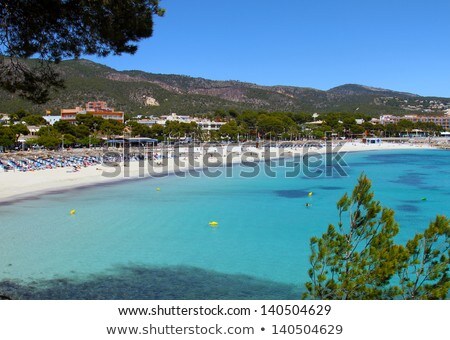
[263, 233]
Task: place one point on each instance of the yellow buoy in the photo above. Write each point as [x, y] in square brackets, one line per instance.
[158, 189]
[213, 223]
[310, 194]
[73, 211]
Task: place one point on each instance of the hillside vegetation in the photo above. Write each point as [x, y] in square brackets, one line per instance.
[138, 92]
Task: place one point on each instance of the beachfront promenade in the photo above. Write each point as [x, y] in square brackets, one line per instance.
[27, 174]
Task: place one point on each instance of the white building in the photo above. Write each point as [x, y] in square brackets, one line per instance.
[33, 130]
[173, 117]
[204, 124]
[97, 109]
[148, 121]
[208, 125]
[441, 120]
[52, 119]
[4, 119]
[389, 119]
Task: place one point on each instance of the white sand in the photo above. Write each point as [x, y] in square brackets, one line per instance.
[18, 185]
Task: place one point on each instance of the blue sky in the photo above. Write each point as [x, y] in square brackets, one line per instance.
[396, 44]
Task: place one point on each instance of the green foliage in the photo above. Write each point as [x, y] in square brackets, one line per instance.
[34, 119]
[248, 119]
[405, 125]
[301, 118]
[359, 259]
[69, 140]
[47, 141]
[111, 127]
[10, 134]
[139, 129]
[175, 128]
[157, 132]
[84, 132]
[89, 141]
[48, 131]
[230, 130]
[18, 116]
[270, 124]
[27, 117]
[426, 273]
[63, 126]
[318, 133]
[20, 129]
[91, 122]
[233, 113]
[7, 136]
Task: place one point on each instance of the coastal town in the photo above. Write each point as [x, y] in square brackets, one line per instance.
[97, 124]
[81, 143]
[78, 137]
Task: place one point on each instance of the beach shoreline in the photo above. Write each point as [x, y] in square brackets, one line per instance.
[19, 186]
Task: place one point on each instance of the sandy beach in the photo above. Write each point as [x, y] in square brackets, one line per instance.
[20, 185]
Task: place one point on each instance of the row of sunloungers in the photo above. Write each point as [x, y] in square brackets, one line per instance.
[42, 163]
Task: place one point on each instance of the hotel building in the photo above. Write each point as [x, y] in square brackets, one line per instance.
[441, 120]
[97, 109]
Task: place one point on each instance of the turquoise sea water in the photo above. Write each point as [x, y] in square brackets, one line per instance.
[129, 240]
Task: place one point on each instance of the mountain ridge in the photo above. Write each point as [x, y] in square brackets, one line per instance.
[140, 92]
[358, 89]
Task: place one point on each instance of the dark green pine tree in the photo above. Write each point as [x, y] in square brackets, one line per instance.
[425, 275]
[359, 259]
[53, 30]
